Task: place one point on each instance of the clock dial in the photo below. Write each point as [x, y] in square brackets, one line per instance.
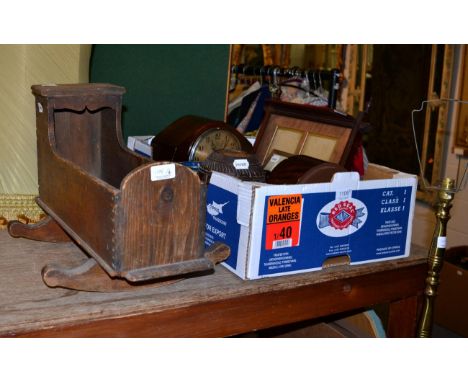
[213, 140]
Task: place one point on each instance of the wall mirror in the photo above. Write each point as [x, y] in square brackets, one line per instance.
[461, 135]
[391, 79]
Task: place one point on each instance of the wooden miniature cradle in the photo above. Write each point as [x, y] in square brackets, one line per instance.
[108, 199]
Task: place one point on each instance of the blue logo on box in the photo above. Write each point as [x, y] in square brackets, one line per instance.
[215, 209]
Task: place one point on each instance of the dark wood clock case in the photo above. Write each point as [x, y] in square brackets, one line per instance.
[175, 142]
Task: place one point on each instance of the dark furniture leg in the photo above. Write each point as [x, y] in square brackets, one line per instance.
[402, 317]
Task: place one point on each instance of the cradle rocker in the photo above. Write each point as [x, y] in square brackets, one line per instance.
[138, 220]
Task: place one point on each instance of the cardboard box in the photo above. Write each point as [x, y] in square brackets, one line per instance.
[277, 230]
[141, 144]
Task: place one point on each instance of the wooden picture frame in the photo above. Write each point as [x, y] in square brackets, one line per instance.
[296, 129]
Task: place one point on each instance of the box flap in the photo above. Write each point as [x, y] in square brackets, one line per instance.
[227, 182]
[244, 192]
[343, 183]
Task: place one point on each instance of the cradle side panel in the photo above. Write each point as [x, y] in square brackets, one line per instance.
[91, 139]
[85, 210]
[77, 138]
[162, 221]
[84, 203]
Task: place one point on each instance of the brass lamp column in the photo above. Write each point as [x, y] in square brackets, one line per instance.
[436, 254]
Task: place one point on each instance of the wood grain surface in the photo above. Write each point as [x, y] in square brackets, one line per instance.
[216, 304]
[46, 229]
[162, 222]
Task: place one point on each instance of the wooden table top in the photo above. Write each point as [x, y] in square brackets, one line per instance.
[27, 305]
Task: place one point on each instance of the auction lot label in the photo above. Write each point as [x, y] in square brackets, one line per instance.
[283, 221]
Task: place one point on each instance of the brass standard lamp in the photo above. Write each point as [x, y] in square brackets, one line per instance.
[435, 259]
[446, 190]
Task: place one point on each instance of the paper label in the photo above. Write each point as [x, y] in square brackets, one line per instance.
[275, 160]
[441, 241]
[283, 221]
[40, 109]
[163, 172]
[241, 164]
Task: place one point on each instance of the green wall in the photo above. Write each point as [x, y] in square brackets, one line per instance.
[163, 82]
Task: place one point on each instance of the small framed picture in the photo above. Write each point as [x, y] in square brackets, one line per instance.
[295, 129]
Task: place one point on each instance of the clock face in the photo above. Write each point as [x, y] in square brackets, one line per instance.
[212, 140]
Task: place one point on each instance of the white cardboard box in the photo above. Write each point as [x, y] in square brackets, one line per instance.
[141, 144]
[276, 230]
